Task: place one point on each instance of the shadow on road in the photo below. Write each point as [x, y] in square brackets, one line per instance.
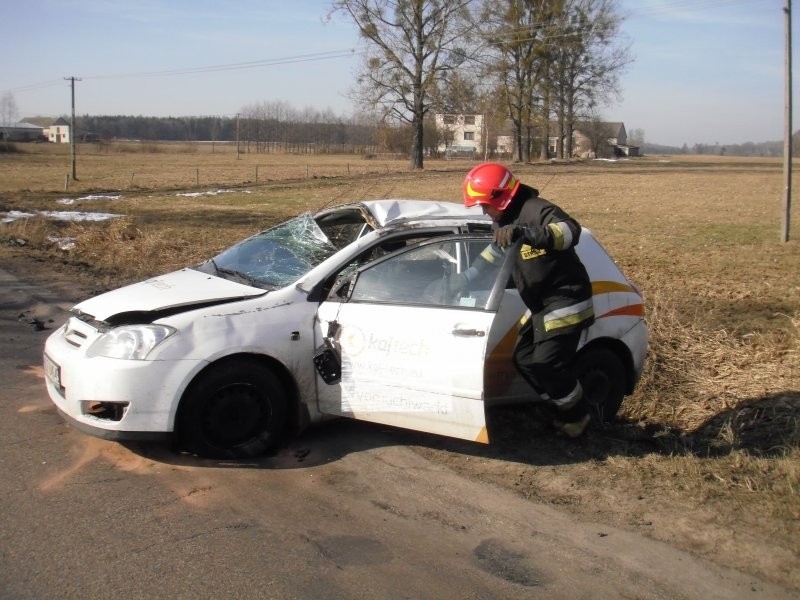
[766, 426]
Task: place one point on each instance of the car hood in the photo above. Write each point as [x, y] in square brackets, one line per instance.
[163, 295]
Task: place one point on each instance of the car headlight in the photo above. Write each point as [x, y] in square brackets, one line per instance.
[131, 342]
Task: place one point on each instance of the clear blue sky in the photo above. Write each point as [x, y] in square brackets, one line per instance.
[705, 71]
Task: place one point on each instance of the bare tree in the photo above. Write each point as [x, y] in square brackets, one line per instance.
[410, 44]
[597, 133]
[588, 61]
[8, 108]
[636, 137]
[516, 33]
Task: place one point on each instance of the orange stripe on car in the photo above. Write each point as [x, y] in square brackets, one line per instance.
[633, 310]
[605, 287]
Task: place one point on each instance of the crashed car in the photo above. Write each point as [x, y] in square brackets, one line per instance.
[345, 313]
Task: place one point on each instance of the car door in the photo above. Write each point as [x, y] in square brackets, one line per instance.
[398, 345]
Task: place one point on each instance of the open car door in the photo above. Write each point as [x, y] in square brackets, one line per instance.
[397, 345]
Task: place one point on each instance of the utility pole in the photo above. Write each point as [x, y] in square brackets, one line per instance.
[72, 130]
[787, 136]
[237, 136]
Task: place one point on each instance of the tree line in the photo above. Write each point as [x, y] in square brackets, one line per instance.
[766, 149]
[527, 63]
[269, 126]
[257, 127]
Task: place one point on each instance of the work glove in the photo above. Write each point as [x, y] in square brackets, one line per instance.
[505, 236]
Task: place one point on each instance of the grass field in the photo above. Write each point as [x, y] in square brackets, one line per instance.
[711, 438]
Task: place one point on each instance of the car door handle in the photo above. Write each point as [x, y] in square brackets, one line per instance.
[468, 332]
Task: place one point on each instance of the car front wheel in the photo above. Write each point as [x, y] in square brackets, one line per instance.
[234, 410]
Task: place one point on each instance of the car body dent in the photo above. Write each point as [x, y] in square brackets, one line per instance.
[180, 289]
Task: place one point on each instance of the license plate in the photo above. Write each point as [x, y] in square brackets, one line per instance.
[52, 371]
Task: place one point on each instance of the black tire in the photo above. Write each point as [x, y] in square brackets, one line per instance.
[602, 375]
[234, 410]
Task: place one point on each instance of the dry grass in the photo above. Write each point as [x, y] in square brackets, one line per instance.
[711, 438]
[131, 166]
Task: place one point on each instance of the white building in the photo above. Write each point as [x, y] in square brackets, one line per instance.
[58, 132]
[460, 135]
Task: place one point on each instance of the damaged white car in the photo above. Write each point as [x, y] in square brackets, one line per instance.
[343, 313]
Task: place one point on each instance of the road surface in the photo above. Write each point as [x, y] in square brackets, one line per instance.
[346, 511]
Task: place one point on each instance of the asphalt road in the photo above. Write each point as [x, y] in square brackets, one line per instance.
[347, 511]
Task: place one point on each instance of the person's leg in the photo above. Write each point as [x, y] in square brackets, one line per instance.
[546, 366]
[524, 358]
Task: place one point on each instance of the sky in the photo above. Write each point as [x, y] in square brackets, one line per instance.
[703, 71]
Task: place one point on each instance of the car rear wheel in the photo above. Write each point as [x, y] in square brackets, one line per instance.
[235, 410]
[602, 375]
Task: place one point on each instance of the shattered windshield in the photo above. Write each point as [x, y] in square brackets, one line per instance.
[276, 257]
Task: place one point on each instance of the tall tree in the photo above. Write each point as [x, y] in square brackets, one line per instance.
[588, 61]
[8, 108]
[550, 57]
[516, 34]
[410, 44]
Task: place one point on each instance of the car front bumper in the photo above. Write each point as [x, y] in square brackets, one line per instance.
[115, 398]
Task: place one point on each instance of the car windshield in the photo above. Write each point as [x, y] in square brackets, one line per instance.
[276, 257]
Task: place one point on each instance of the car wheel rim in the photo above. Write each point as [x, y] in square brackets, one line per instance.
[234, 415]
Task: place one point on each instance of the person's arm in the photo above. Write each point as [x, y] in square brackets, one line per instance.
[558, 235]
[559, 231]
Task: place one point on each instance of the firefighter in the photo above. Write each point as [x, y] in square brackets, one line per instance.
[552, 283]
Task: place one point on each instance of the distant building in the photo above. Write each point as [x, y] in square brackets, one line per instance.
[59, 132]
[20, 132]
[460, 136]
[599, 140]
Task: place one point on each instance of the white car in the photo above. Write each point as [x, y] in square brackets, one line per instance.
[343, 313]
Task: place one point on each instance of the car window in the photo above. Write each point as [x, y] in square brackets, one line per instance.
[276, 257]
[431, 274]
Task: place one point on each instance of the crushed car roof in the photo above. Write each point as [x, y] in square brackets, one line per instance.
[388, 211]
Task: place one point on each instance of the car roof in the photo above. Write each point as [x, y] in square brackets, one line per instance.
[395, 210]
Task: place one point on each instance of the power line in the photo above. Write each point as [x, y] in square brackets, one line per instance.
[263, 63]
[268, 62]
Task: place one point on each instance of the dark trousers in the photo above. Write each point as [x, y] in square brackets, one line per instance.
[545, 363]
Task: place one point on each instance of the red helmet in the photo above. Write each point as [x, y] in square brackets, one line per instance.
[490, 183]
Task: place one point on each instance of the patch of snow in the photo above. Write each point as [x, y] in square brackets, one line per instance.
[15, 215]
[101, 197]
[63, 243]
[66, 215]
[89, 197]
[211, 193]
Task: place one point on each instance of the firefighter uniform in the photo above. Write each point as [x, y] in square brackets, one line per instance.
[552, 282]
[554, 285]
